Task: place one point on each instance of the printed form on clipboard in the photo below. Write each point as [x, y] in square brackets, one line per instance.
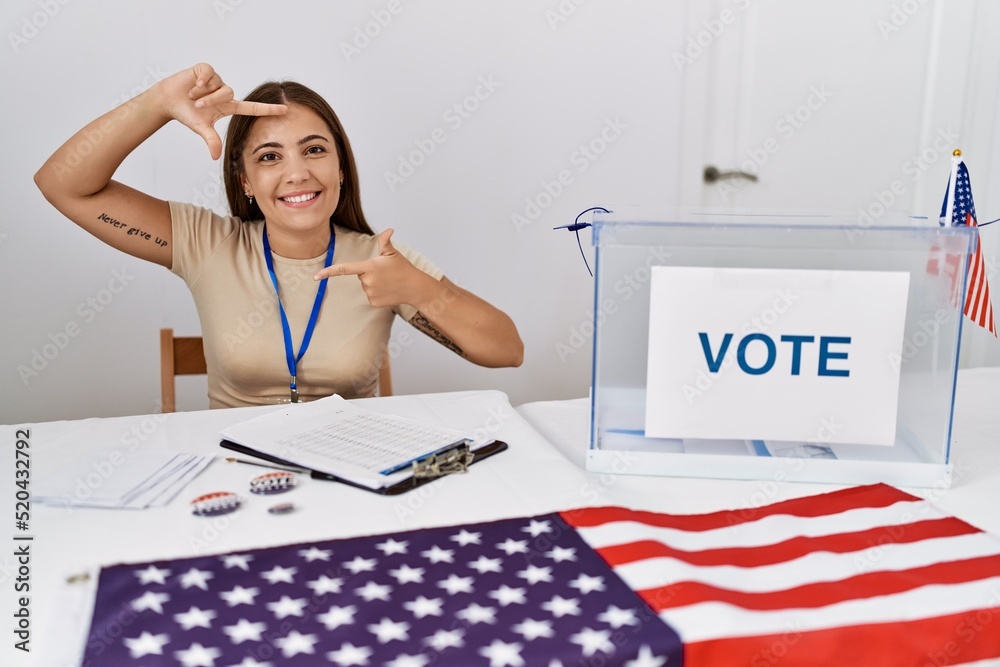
[335, 437]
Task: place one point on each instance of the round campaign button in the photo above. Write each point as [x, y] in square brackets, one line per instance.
[214, 504]
[273, 482]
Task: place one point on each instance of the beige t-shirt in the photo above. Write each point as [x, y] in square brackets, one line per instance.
[222, 261]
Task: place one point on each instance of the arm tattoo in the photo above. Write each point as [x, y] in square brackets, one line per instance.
[132, 231]
[425, 325]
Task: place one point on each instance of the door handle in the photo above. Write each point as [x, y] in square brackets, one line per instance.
[712, 174]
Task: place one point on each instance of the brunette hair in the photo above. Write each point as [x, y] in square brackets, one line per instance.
[348, 213]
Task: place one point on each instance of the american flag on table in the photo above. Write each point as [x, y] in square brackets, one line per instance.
[958, 201]
[864, 576]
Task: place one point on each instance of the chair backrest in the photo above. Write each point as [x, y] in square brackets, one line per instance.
[178, 356]
[186, 356]
[385, 375]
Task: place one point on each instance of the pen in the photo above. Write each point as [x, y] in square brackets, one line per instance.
[267, 465]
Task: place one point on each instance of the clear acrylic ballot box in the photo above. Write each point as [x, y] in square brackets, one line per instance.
[779, 347]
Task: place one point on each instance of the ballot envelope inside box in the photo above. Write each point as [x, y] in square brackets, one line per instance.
[779, 346]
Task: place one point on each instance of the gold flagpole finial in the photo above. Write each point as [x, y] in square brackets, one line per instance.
[957, 152]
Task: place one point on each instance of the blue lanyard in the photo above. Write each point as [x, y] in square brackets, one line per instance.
[293, 359]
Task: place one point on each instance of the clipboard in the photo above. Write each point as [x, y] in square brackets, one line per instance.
[425, 476]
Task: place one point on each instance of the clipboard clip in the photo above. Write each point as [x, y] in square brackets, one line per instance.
[453, 461]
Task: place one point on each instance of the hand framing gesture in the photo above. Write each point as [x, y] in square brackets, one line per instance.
[198, 97]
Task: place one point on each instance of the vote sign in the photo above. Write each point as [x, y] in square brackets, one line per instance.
[775, 354]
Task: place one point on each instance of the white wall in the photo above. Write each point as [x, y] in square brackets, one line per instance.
[559, 83]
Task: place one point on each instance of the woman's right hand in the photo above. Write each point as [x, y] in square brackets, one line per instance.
[77, 178]
[198, 97]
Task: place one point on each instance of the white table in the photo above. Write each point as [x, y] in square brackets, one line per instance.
[541, 472]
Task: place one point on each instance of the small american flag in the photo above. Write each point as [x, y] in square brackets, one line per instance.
[863, 576]
[958, 200]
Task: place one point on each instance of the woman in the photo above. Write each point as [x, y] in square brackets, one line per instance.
[296, 267]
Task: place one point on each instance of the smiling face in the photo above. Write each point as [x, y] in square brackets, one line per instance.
[290, 167]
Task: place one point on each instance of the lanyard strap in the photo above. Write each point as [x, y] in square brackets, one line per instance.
[293, 359]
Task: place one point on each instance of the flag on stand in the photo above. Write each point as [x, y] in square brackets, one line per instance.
[958, 209]
[864, 576]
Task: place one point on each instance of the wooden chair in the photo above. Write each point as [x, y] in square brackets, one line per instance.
[385, 375]
[178, 356]
[186, 356]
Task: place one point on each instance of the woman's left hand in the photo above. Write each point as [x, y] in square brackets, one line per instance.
[389, 279]
[452, 316]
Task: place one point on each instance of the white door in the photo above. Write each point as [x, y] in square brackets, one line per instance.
[852, 106]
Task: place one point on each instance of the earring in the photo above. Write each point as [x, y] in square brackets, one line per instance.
[341, 182]
[250, 197]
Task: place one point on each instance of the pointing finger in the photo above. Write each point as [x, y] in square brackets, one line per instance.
[241, 108]
[344, 269]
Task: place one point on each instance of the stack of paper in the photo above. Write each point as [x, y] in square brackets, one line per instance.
[345, 440]
[113, 480]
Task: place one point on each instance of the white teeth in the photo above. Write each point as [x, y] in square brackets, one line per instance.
[298, 199]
